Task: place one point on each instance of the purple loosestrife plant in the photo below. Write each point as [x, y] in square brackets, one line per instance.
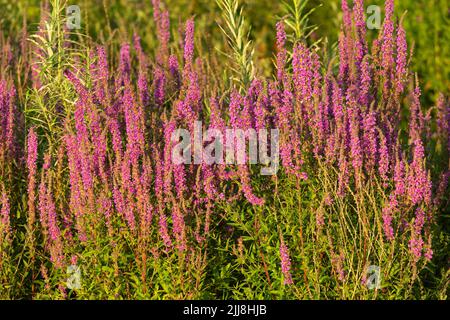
[5, 219]
[285, 263]
[32, 171]
[387, 46]
[401, 72]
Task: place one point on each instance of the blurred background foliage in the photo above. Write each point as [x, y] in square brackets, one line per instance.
[105, 21]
